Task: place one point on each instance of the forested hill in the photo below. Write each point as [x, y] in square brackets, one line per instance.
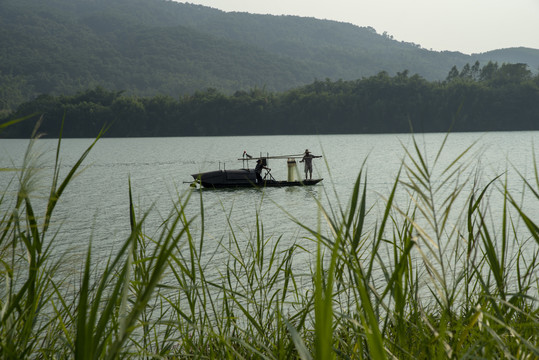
[150, 47]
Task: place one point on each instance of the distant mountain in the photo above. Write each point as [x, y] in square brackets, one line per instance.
[148, 47]
[512, 56]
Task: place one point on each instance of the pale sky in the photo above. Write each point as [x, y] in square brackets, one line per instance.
[468, 26]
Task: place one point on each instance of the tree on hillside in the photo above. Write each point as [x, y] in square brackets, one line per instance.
[512, 73]
[488, 71]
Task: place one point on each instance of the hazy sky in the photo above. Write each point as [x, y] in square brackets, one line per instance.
[468, 26]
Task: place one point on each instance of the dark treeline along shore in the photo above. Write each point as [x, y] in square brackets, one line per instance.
[474, 98]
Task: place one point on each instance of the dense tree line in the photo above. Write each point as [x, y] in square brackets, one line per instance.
[474, 98]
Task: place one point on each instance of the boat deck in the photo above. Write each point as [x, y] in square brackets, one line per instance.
[267, 183]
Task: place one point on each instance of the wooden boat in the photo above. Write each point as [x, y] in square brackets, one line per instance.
[246, 177]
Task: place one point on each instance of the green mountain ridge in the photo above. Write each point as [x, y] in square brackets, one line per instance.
[149, 47]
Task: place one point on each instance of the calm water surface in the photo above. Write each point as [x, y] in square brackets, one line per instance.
[96, 205]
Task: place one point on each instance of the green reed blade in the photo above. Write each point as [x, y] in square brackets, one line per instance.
[83, 339]
[298, 342]
[369, 320]
[56, 192]
[16, 121]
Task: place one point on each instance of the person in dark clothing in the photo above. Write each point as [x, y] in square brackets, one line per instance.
[258, 171]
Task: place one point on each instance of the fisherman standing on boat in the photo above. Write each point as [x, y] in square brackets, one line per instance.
[258, 170]
[308, 160]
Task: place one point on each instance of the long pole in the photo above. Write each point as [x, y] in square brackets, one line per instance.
[276, 157]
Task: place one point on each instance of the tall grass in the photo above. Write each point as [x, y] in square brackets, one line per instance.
[447, 269]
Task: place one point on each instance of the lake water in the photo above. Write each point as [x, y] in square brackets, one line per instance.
[95, 206]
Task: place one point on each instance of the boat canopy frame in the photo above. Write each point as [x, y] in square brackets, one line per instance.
[246, 158]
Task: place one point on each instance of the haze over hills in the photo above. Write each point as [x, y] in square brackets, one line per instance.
[149, 47]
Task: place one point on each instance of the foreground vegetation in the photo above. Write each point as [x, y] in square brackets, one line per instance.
[487, 98]
[451, 273]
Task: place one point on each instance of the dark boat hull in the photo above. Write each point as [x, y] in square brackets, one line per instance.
[243, 178]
